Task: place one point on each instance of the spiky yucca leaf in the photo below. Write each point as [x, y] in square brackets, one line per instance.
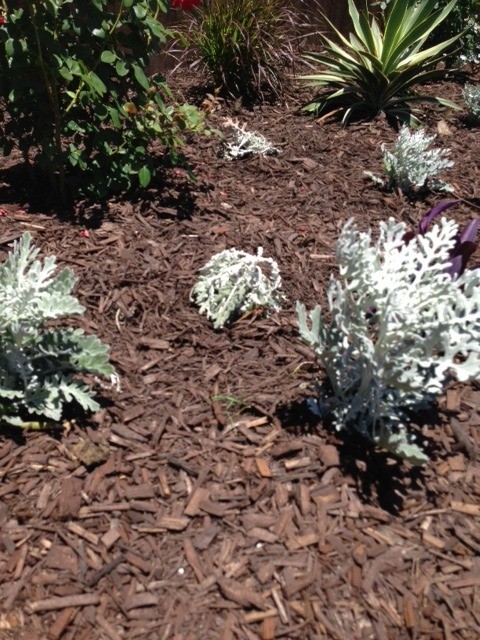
[375, 69]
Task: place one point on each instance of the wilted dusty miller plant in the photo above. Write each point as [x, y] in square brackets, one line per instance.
[471, 95]
[246, 143]
[400, 326]
[38, 364]
[77, 99]
[411, 165]
[234, 282]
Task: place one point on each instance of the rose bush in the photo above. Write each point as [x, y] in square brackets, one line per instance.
[79, 104]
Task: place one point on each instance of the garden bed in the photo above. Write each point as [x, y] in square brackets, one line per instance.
[203, 501]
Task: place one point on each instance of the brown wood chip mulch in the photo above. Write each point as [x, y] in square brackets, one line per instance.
[202, 501]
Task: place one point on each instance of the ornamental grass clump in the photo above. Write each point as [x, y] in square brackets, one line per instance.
[245, 46]
[38, 364]
[471, 95]
[411, 165]
[400, 327]
[234, 282]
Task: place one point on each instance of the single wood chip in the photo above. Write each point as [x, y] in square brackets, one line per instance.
[168, 523]
[144, 599]
[154, 343]
[297, 463]
[277, 598]
[303, 541]
[107, 628]
[112, 535]
[53, 604]
[239, 594]
[63, 619]
[465, 507]
[268, 629]
[432, 540]
[262, 534]
[263, 468]
[258, 616]
[83, 533]
[409, 613]
[194, 560]
[299, 584]
[193, 506]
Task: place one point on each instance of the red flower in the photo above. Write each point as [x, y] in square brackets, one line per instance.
[185, 4]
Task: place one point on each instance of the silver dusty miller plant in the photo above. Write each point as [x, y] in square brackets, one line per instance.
[246, 143]
[471, 95]
[400, 327]
[234, 282]
[38, 364]
[411, 165]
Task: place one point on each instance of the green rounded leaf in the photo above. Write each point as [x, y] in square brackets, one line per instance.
[65, 73]
[121, 68]
[140, 77]
[144, 176]
[95, 83]
[115, 116]
[140, 11]
[99, 33]
[108, 57]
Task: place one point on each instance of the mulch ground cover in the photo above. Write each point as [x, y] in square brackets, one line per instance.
[204, 501]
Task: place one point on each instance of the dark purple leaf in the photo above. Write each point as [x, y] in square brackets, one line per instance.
[455, 266]
[425, 221]
[469, 234]
[463, 249]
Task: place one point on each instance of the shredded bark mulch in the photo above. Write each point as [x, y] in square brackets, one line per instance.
[203, 501]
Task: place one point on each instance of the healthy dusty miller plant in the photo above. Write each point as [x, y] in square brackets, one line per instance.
[400, 327]
[471, 95]
[38, 364]
[234, 282]
[412, 165]
[246, 143]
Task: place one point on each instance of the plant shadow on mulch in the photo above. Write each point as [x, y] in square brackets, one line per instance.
[21, 183]
[380, 478]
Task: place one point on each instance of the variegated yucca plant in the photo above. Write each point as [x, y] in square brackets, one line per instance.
[376, 69]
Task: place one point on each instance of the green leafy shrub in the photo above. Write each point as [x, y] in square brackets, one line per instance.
[464, 19]
[376, 69]
[234, 282]
[38, 365]
[246, 46]
[77, 99]
[400, 327]
[411, 165]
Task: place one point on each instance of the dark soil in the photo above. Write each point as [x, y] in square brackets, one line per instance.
[203, 501]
